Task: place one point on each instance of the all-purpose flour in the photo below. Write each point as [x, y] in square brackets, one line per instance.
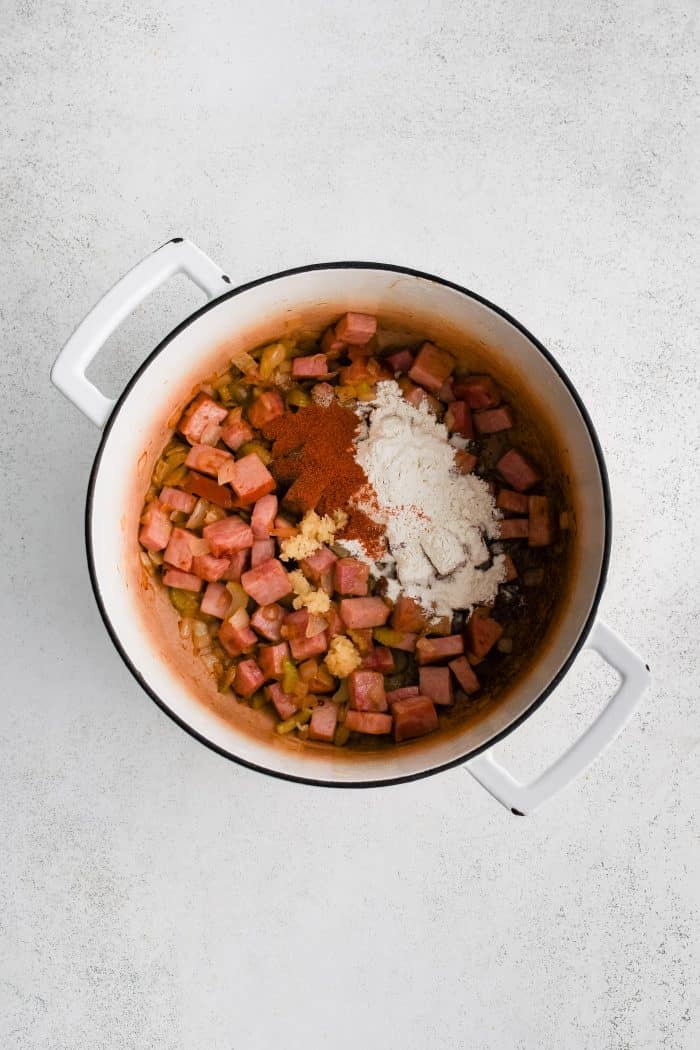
[436, 519]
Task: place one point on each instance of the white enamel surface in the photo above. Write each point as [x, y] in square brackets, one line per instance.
[259, 313]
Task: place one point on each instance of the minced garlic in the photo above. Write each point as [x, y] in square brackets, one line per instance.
[342, 657]
[314, 530]
[317, 602]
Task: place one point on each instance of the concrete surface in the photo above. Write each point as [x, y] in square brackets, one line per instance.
[153, 895]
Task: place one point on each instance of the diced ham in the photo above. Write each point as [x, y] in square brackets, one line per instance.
[219, 495]
[481, 634]
[493, 420]
[184, 581]
[430, 650]
[464, 461]
[237, 565]
[235, 431]
[248, 678]
[179, 550]
[478, 391]
[330, 344]
[284, 529]
[209, 568]
[262, 520]
[335, 624]
[379, 659]
[436, 683]
[313, 367]
[351, 576]
[202, 411]
[511, 570]
[513, 528]
[208, 460]
[541, 532]
[272, 658]
[322, 394]
[216, 601]
[266, 407]
[356, 329]
[262, 550]
[324, 719]
[235, 638]
[407, 615]
[400, 360]
[418, 396]
[285, 703]
[431, 367]
[517, 470]
[303, 647]
[318, 568]
[368, 722]
[458, 419]
[363, 612]
[413, 717]
[366, 689]
[176, 499]
[515, 502]
[228, 535]
[402, 693]
[155, 531]
[251, 479]
[267, 583]
[463, 672]
[406, 641]
[267, 621]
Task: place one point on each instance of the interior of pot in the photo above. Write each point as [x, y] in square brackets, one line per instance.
[137, 610]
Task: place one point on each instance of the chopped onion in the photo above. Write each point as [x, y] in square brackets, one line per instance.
[240, 619]
[196, 518]
[315, 625]
[185, 627]
[245, 363]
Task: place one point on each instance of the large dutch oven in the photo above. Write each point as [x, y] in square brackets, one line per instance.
[136, 611]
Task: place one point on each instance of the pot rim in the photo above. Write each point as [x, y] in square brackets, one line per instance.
[537, 701]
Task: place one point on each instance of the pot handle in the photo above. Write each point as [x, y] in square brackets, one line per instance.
[175, 256]
[522, 799]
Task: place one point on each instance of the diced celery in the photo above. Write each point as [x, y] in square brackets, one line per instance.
[239, 598]
[298, 397]
[227, 679]
[365, 392]
[299, 718]
[259, 449]
[387, 636]
[185, 602]
[341, 736]
[272, 357]
[258, 700]
[290, 677]
[176, 476]
[342, 693]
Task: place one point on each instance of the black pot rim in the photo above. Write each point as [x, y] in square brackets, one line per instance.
[538, 700]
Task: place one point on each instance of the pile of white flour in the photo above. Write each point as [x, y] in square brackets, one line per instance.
[435, 518]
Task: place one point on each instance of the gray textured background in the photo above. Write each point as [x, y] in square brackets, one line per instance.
[153, 895]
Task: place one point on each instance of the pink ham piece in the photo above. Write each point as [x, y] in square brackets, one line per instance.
[402, 693]
[283, 530]
[208, 460]
[178, 500]
[267, 583]
[464, 461]
[515, 502]
[198, 415]
[379, 659]
[363, 612]
[317, 568]
[294, 630]
[313, 367]
[272, 659]
[413, 717]
[261, 551]
[179, 550]
[248, 678]
[235, 634]
[446, 393]
[478, 391]
[285, 703]
[209, 568]
[511, 570]
[458, 419]
[251, 479]
[220, 495]
[330, 344]
[155, 531]
[235, 431]
[463, 672]
[267, 621]
[517, 471]
[370, 722]
[541, 531]
[351, 576]
[356, 329]
[405, 641]
[237, 565]
[399, 360]
[481, 634]
[262, 520]
[366, 689]
[430, 650]
[324, 719]
[431, 367]
[493, 420]
[436, 683]
[418, 396]
[216, 601]
[407, 615]
[184, 581]
[228, 535]
[266, 407]
[513, 528]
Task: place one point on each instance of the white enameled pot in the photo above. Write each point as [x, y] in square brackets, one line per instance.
[136, 611]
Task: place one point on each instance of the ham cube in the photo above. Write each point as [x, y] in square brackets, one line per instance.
[478, 391]
[511, 570]
[463, 672]
[184, 581]
[464, 461]
[156, 529]
[248, 678]
[351, 576]
[402, 693]
[266, 407]
[267, 583]
[418, 396]
[405, 641]
[330, 344]
[235, 431]
[283, 529]
[436, 683]
[541, 531]
[431, 367]
[430, 650]
[216, 601]
[251, 480]
[481, 634]
[513, 528]
[228, 535]
[370, 722]
[379, 659]
[262, 520]
[179, 549]
[272, 659]
[363, 612]
[313, 367]
[335, 624]
[176, 499]
[407, 615]
[366, 689]
[493, 420]
[458, 419]
[236, 639]
[261, 551]
[414, 716]
[356, 329]
[303, 647]
[324, 719]
[209, 568]
[202, 411]
[515, 502]
[399, 360]
[318, 568]
[517, 471]
[285, 703]
[219, 495]
[207, 460]
[267, 621]
[238, 563]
